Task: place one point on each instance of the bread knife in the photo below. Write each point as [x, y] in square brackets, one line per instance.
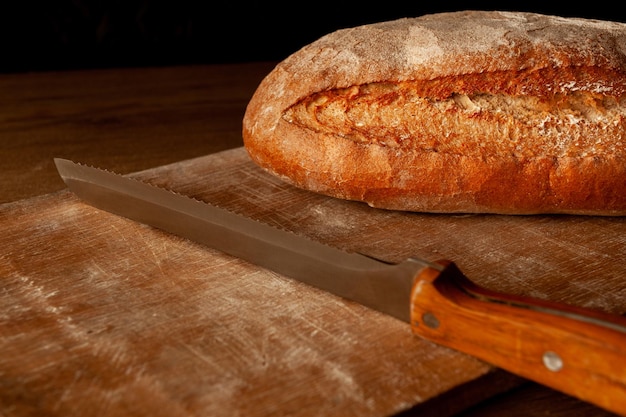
[578, 351]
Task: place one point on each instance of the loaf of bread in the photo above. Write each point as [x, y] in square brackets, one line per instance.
[463, 112]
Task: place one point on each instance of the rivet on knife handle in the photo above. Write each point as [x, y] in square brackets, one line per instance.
[574, 350]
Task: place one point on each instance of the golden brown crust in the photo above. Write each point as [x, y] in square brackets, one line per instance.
[494, 112]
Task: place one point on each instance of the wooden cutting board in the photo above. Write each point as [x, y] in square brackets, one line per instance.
[102, 316]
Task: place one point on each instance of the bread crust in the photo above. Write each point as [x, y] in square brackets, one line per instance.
[472, 112]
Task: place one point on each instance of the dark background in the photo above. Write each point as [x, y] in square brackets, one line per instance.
[72, 34]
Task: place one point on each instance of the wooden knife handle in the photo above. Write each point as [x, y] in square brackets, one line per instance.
[578, 351]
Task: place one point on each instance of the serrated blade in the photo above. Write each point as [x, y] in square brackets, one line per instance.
[376, 284]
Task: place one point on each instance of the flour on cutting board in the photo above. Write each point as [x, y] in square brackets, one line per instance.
[294, 334]
[180, 329]
[329, 216]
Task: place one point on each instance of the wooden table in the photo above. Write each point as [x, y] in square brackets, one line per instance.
[179, 121]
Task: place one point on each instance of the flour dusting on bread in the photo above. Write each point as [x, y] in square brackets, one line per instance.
[476, 112]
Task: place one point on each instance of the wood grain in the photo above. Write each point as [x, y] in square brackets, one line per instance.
[128, 319]
[519, 333]
[126, 120]
[86, 331]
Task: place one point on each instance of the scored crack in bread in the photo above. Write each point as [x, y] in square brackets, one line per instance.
[474, 112]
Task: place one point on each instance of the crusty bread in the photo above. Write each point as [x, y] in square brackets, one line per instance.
[475, 112]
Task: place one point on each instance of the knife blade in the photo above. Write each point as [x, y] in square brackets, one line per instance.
[575, 350]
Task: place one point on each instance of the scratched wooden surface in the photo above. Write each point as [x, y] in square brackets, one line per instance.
[108, 314]
[573, 259]
[101, 316]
